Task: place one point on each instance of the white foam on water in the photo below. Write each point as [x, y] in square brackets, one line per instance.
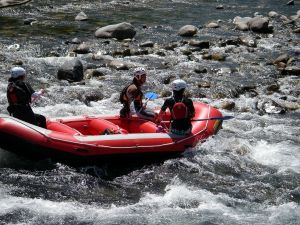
[283, 155]
[178, 201]
[288, 213]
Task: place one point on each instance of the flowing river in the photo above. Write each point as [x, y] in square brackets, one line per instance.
[248, 174]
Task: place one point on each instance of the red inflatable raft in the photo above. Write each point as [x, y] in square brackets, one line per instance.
[99, 137]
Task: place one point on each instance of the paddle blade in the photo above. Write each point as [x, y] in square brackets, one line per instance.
[151, 95]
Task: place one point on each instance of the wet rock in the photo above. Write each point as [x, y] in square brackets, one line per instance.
[273, 88]
[7, 3]
[297, 30]
[228, 105]
[241, 23]
[29, 21]
[212, 25]
[104, 59]
[75, 41]
[291, 70]
[218, 57]
[17, 62]
[204, 84]
[14, 47]
[219, 7]
[186, 51]
[242, 26]
[93, 95]
[139, 52]
[247, 41]
[259, 24]
[294, 18]
[71, 70]
[171, 46]
[2, 58]
[287, 105]
[282, 58]
[273, 14]
[200, 44]
[160, 53]
[118, 65]
[119, 31]
[81, 16]
[229, 42]
[290, 2]
[187, 31]
[200, 70]
[90, 73]
[82, 48]
[147, 44]
[271, 107]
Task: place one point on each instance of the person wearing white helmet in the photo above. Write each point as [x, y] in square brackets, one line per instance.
[181, 108]
[131, 97]
[20, 95]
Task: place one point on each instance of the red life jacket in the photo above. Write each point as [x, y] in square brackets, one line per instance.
[12, 96]
[179, 111]
[18, 95]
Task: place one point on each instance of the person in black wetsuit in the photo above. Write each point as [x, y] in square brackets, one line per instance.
[131, 97]
[181, 108]
[20, 95]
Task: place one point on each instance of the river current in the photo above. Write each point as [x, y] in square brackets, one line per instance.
[248, 174]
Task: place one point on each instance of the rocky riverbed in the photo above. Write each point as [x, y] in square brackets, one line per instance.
[242, 57]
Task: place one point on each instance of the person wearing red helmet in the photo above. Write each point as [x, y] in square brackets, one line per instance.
[181, 108]
[131, 97]
[20, 95]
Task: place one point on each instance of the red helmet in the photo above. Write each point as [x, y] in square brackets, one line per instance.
[139, 72]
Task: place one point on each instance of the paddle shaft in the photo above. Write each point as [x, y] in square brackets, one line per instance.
[216, 118]
[212, 118]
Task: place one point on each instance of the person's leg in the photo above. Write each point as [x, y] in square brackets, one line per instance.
[24, 113]
[124, 112]
[40, 120]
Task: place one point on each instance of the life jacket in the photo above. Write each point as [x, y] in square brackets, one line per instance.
[124, 99]
[17, 94]
[179, 111]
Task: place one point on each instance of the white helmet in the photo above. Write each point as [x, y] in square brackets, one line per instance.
[17, 72]
[139, 72]
[179, 84]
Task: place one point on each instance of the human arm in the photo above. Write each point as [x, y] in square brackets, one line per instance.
[191, 108]
[35, 95]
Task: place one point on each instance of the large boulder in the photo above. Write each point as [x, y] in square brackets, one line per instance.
[120, 31]
[7, 3]
[187, 31]
[259, 24]
[71, 70]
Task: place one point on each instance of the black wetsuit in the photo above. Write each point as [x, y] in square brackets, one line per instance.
[19, 99]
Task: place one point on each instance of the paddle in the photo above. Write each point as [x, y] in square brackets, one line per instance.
[216, 118]
[149, 96]
[211, 118]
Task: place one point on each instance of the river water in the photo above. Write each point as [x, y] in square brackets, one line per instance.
[248, 174]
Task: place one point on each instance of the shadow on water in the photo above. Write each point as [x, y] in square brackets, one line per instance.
[106, 169]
